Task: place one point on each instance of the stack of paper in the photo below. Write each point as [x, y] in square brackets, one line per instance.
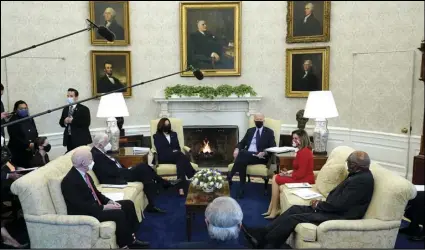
[114, 196]
[298, 185]
[114, 186]
[279, 150]
[140, 150]
[25, 170]
[419, 188]
[306, 194]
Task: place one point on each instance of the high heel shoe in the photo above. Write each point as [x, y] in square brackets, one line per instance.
[266, 214]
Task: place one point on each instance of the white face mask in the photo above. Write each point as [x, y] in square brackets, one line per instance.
[91, 165]
[294, 144]
[107, 147]
[70, 100]
[2, 141]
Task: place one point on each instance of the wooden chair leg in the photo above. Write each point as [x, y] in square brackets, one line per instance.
[266, 185]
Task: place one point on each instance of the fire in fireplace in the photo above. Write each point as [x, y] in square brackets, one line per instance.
[212, 146]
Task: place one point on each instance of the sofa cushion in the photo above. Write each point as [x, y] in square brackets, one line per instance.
[307, 231]
[170, 169]
[130, 192]
[288, 199]
[334, 171]
[254, 170]
[56, 195]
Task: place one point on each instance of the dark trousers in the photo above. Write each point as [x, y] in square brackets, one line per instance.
[69, 145]
[242, 161]
[415, 211]
[184, 168]
[145, 174]
[21, 158]
[276, 233]
[125, 219]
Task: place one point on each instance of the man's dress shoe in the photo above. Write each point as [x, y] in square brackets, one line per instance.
[139, 244]
[155, 210]
[172, 183]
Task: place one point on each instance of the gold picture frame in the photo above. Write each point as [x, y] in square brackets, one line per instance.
[117, 14]
[222, 56]
[307, 69]
[110, 71]
[307, 27]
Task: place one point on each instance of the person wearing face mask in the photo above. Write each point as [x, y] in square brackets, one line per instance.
[251, 150]
[303, 166]
[22, 136]
[82, 198]
[109, 171]
[169, 152]
[76, 121]
[42, 147]
[347, 201]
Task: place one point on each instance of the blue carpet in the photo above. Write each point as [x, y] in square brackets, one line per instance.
[164, 231]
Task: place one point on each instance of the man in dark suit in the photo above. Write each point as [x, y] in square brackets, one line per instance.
[82, 198]
[223, 217]
[76, 121]
[111, 23]
[309, 25]
[251, 150]
[108, 82]
[109, 171]
[204, 50]
[348, 201]
[308, 81]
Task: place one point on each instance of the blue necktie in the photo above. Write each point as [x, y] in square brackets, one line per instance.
[257, 139]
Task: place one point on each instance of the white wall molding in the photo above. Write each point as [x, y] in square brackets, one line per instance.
[393, 151]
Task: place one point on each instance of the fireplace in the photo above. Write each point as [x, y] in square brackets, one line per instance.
[212, 146]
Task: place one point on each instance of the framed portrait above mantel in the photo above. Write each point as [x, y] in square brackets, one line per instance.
[210, 37]
[307, 69]
[111, 70]
[308, 21]
[115, 16]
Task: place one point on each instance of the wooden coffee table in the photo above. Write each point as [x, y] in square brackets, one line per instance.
[197, 201]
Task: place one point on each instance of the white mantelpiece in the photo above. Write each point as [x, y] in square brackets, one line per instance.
[196, 111]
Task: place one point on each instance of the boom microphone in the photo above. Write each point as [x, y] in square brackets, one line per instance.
[103, 32]
[196, 72]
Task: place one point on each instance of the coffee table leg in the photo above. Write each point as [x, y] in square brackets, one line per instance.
[189, 225]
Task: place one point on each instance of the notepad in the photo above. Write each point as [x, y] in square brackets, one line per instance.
[114, 196]
[298, 185]
[306, 194]
[279, 150]
[24, 170]
[114, 186]
[419, 188]
[140, 150]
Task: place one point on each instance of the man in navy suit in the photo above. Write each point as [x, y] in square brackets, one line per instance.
[223, 217]
[251, 150]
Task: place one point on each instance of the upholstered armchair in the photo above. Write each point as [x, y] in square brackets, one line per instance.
[263, 170]
[170, 169]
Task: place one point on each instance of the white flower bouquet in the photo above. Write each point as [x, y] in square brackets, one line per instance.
[208, 180]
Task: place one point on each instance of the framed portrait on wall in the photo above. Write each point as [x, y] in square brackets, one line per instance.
[307, 69]
[115, 16]
[210, 34]
[111, 70]
[308, 21]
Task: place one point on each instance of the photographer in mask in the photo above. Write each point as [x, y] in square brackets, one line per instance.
[42, 147]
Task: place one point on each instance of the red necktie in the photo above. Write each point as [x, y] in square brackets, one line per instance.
[92, 189]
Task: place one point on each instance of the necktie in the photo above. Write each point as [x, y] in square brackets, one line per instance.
[92, 189]
[257, 139]
[70, 112]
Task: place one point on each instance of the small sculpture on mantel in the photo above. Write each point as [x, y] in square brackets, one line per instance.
[302, 121]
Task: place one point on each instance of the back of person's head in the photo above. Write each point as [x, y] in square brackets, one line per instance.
[82, 159]
[100, 140]
[359, 160]
[224, 219]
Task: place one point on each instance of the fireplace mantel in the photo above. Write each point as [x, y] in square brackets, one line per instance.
[198, 104]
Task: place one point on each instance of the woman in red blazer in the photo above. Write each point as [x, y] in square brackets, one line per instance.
[302, 170]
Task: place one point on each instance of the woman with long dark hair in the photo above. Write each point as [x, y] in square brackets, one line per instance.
[22, 136]
[302, 165]
[41, 147]
[169, 152]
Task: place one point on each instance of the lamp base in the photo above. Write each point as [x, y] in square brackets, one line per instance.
[113, 133]
[320, 137]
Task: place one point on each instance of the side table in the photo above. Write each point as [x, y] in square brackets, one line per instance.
[127, 158]
[286, 160]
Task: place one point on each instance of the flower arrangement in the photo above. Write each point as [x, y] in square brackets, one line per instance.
[208, 180]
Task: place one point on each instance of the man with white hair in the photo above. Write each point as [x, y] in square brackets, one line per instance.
[223, 217]
[252, 150]
[348, 201]
[82, 198]
[308, 25]
[109, 171]
[111, 23]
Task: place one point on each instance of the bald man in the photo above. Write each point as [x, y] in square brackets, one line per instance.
[308, 25]
[111, 23]
[348, 201]
[252, 150]
[82, 198]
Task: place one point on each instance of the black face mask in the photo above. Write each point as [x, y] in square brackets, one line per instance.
[167, 128]
[259, 124]
[47, 147]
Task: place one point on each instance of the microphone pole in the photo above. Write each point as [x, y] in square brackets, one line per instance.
[190, 68]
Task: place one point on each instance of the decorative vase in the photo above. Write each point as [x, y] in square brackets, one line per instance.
[208, 190]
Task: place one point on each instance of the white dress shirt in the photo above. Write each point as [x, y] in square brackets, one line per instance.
[168, 137]
[253, 145]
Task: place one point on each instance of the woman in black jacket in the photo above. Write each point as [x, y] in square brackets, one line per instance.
[21, 136]
[42, 147]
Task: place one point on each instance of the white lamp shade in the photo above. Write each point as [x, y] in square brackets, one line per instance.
[112, 105]
[320, 105]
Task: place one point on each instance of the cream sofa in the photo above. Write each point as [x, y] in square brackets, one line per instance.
[45, 211]
[380, 225]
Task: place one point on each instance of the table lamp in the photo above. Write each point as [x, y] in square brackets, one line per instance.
[111, 106]
[320, 106]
